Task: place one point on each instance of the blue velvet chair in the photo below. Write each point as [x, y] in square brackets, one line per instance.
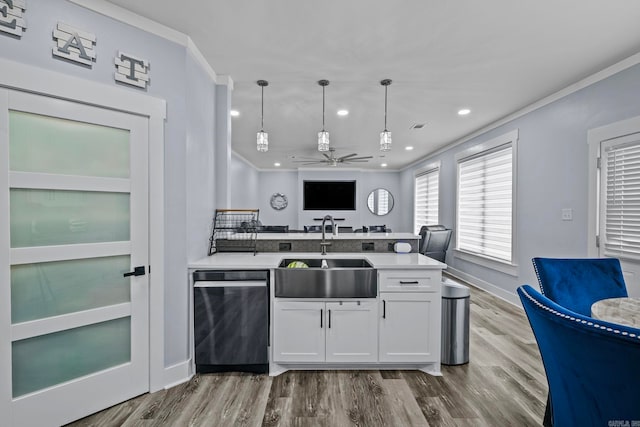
[592, 366]
[577, 283]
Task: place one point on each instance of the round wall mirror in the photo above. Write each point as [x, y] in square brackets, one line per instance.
[380, 202]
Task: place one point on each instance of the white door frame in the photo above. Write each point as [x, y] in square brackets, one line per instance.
[594, 138]
[48, 83]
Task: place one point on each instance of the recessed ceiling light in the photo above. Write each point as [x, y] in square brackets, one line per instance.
[464, 112]
[343, 112]
[384, 165]
[276, 164]
[234, 113]
[408, 148]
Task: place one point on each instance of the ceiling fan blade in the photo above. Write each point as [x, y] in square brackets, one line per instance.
[358, 158]
[307, 162]
[356, 161]
[348, 155]
[327, 156]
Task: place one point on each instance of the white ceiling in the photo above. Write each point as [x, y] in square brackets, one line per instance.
[492, 56]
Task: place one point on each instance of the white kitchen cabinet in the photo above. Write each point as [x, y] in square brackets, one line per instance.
[334, 332]
[409, 319]
[351, 334]
[299, 331]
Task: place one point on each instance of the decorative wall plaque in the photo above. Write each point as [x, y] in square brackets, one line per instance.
[11, 20]
[131, 70]
[279, 201]
[74, 45]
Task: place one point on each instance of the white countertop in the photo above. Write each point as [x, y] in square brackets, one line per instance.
[267, 260]
[339, 236]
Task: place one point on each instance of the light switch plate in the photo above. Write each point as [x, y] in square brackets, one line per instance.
[567, 214]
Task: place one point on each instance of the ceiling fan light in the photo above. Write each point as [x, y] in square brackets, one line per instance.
[263, 141]
[323, 141]
[385, 140]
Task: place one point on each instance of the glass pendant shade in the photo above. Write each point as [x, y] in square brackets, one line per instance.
[323, 141]
[262, 138]
[263, 141]
[385, 135]
[385, 140]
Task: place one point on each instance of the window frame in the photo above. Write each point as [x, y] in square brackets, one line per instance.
[432, 167]
[508, 267]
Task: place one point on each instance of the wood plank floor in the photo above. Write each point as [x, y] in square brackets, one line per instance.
[503, 385]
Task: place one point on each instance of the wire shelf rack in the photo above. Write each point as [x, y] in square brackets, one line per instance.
[234, 230]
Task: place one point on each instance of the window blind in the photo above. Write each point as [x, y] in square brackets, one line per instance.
[622, 200]
[485, 199]
[426, 199]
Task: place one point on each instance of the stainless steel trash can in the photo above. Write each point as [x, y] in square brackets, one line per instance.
[455, 323]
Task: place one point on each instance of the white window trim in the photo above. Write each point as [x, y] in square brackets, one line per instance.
[426, 169]
[510, 268]
[594, 138]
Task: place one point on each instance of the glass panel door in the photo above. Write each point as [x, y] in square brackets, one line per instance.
[77, 222]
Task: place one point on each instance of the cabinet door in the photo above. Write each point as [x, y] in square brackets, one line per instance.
[351, 333]
[298, 331]
[409, 326]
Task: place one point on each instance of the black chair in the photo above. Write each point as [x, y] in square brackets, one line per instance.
[378, 229]
[273, 229]
[317, 228]
[434, 241]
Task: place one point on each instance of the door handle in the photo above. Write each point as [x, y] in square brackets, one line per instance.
[384, 309]
[329, 312]
[413, 282]
[137, 271]
[321, 316]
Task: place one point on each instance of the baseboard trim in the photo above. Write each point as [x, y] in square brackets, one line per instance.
[177, 374]
[507, 296]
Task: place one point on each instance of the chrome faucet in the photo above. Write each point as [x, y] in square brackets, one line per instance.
[324, 243]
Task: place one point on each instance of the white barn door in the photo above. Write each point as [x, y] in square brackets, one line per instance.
[73, 221]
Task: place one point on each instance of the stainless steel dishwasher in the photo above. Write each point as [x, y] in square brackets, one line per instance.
[231, 320]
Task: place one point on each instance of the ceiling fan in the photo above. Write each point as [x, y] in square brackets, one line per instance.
[331, 160]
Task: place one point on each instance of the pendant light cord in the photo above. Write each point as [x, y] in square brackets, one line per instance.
[262, 112]
[322, 108]
[385, 108]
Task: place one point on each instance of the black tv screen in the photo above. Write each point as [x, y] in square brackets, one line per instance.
[329, 196]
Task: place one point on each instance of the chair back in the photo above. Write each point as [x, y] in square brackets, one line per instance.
[434, 241]
[591, 366]
[273, 229]
[377, 229]
[577, 283]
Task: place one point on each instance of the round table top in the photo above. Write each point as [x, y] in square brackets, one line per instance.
[623, 311]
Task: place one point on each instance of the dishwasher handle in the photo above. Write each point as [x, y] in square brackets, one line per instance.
[229, 283]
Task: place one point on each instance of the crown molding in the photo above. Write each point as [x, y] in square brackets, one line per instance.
[145, 24]
[581, 84]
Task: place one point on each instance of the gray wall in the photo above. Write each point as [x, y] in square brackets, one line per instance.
[289, 183]
[552, 175]
[243, 184]
[170, 72]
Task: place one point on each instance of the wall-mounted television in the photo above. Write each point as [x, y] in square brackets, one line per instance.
[329, 195]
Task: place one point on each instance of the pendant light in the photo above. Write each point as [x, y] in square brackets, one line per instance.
[385, 135]
[323, 136]
[262, 137]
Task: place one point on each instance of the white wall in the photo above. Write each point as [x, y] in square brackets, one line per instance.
[186, 138]
[290, 183]
[552, 175]
[284, 182]
[243, 185]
